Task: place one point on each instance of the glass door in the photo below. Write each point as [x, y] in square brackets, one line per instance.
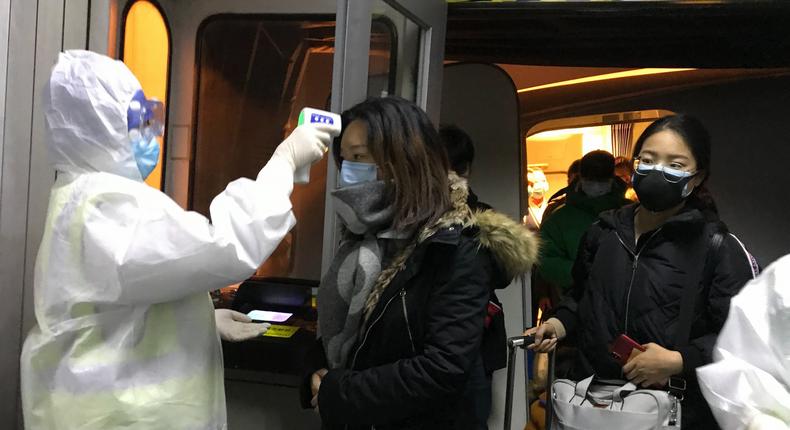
[385, 47]
[419, 28]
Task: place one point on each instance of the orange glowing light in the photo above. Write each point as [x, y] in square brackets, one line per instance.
[604, 77]
[146, 52]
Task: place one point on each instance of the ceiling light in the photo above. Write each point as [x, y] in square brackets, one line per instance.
[604, 77]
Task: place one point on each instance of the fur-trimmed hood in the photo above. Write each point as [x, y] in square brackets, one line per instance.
[514, 246]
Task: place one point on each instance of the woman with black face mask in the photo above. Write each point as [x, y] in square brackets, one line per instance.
[661, 272]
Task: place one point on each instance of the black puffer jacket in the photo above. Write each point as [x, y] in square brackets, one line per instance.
[411, 363]
[656, 269]
[493, 347]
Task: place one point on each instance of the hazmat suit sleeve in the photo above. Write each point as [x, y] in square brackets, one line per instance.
[748, 385]
[161, 252]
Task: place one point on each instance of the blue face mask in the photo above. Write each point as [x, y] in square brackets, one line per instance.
[145, 118]
[146, 154]
[353, 173]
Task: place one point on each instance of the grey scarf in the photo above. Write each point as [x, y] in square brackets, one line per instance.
[366, 212]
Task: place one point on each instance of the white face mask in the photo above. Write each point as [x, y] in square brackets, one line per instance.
[595, 188]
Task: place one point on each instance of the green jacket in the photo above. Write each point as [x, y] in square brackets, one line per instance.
[561, 232]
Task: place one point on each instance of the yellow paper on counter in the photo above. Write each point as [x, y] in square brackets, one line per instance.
[285, 331]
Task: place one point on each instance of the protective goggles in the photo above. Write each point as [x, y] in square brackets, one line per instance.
[643, 167]
[146, 117]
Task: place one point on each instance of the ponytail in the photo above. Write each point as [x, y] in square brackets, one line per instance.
[702, 199]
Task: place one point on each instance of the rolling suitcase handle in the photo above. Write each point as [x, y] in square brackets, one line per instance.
[522, 342]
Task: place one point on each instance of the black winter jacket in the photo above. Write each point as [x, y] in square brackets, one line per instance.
[609, 266]
[493, 347]
[410, 365]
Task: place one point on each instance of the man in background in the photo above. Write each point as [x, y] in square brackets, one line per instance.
[597, 190]
[558, 199]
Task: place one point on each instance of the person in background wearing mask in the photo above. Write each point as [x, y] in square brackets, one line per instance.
[624, 169]
[126, 334]
[748, 386]
[545, 294]
[634, 264]
[537, 187]
[401, 310]
[558, 199]
[596, 191]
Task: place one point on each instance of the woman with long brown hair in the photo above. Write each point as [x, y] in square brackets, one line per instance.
[401, 311]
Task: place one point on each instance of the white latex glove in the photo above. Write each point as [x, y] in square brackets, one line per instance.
[306, 145]
[235, 326]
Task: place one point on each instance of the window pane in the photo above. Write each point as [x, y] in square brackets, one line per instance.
[402, 36]
[381, 62]
[255, 75]
[146, 46]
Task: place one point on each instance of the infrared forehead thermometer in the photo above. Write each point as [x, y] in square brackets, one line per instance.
[316, 117]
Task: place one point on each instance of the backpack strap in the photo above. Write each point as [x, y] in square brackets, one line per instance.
[755, 268]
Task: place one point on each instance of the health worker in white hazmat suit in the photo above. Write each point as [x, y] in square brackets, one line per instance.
[748, 385]
[126, 335]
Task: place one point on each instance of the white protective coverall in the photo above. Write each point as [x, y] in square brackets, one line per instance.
[748, 385]
[125, 335]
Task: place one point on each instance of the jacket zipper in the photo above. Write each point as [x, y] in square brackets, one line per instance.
[370, 327]
[406, 317]
[367, 332]
[633, 272]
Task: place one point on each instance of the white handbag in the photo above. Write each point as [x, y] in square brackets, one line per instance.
[599, 405]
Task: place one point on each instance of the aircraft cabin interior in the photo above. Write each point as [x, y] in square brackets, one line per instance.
[537, 85]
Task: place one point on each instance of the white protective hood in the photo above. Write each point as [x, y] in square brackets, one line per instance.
[125, 336]
[85, 104]
[748, 385]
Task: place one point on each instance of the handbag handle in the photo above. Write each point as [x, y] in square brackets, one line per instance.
[619, 394]
[583, 386]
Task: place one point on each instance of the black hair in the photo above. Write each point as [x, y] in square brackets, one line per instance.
[597, 166]
[459, 146]
[575, 167]
[696, 137]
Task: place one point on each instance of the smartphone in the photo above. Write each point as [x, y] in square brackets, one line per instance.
[257, 315]
[621, 348]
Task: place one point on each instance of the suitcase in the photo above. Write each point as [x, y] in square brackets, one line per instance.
[513, 344]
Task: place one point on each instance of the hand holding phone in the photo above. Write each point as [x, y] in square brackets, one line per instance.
[622, 347]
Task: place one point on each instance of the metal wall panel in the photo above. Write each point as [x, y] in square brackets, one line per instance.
[75, 24]
[49, 41]
[5, 11]
[13, 199]
[103, 26]
[34, 34]
[349, 87]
